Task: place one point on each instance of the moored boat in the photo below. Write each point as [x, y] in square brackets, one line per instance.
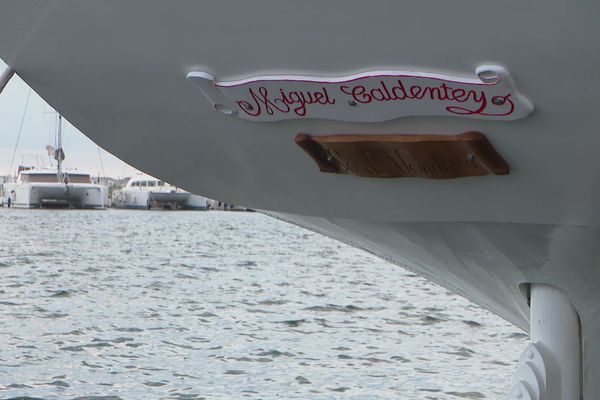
[144, 192]
[37, 187]
[41, 188]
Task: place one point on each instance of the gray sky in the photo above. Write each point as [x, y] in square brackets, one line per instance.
[39, 130]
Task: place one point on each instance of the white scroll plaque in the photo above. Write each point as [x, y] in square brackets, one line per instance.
[368, 97]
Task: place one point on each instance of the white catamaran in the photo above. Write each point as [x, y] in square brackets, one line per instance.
[467, 127]
[36, 187]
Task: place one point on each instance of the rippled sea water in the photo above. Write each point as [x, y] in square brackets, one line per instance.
[219, 305]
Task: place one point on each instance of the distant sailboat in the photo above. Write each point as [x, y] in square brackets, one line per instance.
[36, 187]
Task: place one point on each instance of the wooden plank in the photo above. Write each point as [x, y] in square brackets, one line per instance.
[400, 156]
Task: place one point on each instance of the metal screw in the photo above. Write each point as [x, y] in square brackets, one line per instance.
[471, 157]
[248, 106]
[498, 100]
[224, 109]
[488, 76]
[352, 103]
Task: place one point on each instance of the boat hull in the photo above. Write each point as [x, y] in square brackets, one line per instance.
[38, 195]
[491, 264]
[140, 199]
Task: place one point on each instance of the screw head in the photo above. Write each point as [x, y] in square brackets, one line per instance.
[488, 76]
[498, 100]
[352, 103]
[224, 109]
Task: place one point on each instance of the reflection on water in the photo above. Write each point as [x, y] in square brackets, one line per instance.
[212, 305]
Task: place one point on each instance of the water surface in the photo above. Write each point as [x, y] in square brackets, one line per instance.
[215, 305]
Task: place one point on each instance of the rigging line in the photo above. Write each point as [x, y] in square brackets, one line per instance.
[20, 131]
[124, 168]
[101, 163]
[48, 128]
[67, 128]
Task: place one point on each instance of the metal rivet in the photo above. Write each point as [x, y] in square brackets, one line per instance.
[498, 100]
[247, 106]
[488, 76]
[352, 103]
[224, 109]
[471, 157]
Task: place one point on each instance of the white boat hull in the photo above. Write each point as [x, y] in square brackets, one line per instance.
[489, 263]
[36, 195]
[139, 199]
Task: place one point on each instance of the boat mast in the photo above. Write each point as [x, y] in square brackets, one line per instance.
[59, 153]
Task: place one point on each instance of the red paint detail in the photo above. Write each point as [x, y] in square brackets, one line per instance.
[285, 102]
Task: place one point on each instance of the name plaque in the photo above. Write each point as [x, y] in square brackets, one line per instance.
[377, 96]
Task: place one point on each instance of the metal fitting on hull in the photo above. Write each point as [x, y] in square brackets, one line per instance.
[550, 367]
[5, 78]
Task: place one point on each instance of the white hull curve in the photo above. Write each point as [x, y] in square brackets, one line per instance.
[488, 263]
